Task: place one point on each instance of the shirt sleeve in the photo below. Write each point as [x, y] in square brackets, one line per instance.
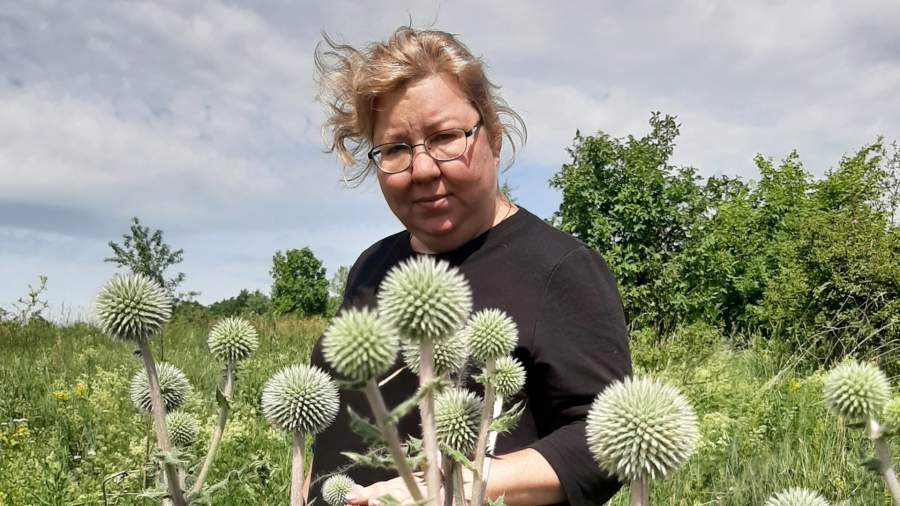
[580, 346]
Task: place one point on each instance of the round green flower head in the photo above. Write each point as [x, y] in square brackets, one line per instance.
[173, 384]
[490, 334]
[641, 428]
[457, 414]
[360, 345]
[856, 390]
[182, 427]
[891, 414]
[796, 497]
[232, 339]
[424, 298]
[449, 355]
[132, 307]
[300, 398]
[336, 488]
[508, 377]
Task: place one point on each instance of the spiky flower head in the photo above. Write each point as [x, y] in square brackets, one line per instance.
[490, 334]
[508, 377]
[424, 298]
[232, 339]
[182, 427]
[891, 414]
[173, 384]
[300, 398]
[641, 428]
[360, 344]
[856, 390]
[336, 488]
[457, 414]
[132, 307]
[796, 497]
[449, 355]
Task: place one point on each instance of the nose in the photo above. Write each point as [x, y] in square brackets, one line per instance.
[424, 167]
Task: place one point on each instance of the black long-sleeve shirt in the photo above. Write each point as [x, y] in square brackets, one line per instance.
[572, 342]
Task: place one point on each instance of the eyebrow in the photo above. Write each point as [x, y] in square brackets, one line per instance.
[438, 125]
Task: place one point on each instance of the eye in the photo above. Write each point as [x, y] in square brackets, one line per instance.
[393, 149]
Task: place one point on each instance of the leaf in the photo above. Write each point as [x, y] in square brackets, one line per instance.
[221, 399]
[497, 502]
[873, 465]
[365, 429]
[458, 457]
[436, 385]
[509, 418]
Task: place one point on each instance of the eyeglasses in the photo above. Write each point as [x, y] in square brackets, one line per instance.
[442, 146]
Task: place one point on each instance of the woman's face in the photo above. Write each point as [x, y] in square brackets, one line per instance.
[442, 204]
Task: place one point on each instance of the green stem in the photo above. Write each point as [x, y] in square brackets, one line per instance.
[297, 449]
[389, 432]
[479, 481]
[883, 455]
[158, 412]
[426, 410]
[218, 430]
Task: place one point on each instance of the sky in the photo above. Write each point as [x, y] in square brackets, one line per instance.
[200, 117]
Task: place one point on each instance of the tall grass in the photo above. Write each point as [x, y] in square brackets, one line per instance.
[66, 424]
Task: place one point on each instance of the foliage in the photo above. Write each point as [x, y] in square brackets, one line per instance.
[298, 283]
[245, 302]
[336, 286]
[144, 252]
[807, 264]
[29, 307]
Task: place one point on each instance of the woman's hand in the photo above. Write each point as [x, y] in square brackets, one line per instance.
[396, 488]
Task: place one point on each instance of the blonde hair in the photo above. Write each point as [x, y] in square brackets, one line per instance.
[351, 80]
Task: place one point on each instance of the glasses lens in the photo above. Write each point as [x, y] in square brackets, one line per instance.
[393, 157]
[446, 145]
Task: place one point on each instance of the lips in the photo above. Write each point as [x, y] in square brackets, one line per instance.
[430, 198]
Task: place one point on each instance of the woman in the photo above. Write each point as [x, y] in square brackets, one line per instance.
[429, 123]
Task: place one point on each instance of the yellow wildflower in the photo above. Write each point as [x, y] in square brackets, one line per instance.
[80, 389]
[793, 386]
[61, 395]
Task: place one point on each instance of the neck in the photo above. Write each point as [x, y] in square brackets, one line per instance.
[502, 210]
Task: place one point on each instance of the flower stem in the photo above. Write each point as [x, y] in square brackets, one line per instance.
[639, 493]
[389, 432]
[158, 412]
[883, 455]
[297, 497]
[218, 430]
[459, 488]
[448, 481]
[479, 480]
[426, 410]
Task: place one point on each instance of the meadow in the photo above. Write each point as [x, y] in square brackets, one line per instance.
[69, 435]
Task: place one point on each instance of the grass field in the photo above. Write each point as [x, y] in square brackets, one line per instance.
[66, 424]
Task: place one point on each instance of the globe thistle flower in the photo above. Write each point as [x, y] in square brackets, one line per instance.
[796, 497]
[424, 298]
[457, 415]
[856, 390]
[891, 414]
[232, 339]
[449, 355]
[182, 428]
[360, 345]
[173, 385]
[300, 398]
[490, 334]
[641, 428]
[132, 307]
[508, 377]
[336, 488]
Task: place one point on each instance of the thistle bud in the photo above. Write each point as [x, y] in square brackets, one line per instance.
[641, 428]
[173, 385]
[360, 345]
[449, 355]
[300, 398]
[891, 414]
[508, 378]
[182, 427]
[232, 339]
[336, 488]
[457, 415]
[132, 307]
[796, 497]
[856, 390]
[424, 298]
[490, 334]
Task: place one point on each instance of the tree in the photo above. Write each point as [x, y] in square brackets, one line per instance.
[145, 253]
[336, 287]
[298, 283]
[254, 302]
